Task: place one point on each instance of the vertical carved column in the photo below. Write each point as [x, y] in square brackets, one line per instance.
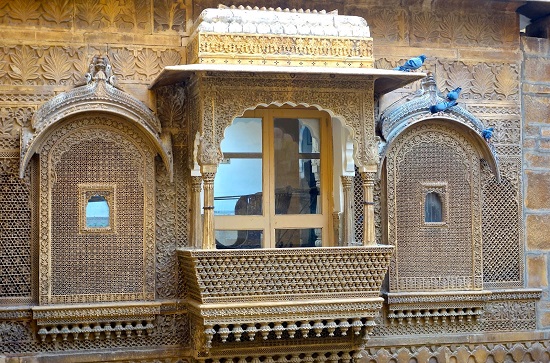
[336, 229]
[369, 234]
[196, 222]
[348, 235]
[208, 239]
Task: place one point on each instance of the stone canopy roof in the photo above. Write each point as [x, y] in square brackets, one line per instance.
[263, 20]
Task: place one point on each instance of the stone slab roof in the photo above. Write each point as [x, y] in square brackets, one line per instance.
[263, 20]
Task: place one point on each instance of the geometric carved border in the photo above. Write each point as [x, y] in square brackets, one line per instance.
[124, 134]
[18, 257]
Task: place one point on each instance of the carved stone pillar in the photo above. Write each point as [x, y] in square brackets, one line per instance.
[208, 175]
[348, 235]
[369, 234]
[196, 220]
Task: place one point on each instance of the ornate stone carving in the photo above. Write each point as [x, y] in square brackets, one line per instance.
[405, 161]
[98, 94]
[281, 38]
[17, 252]
[399, 117]
[336, 288]
[506, 350]
[95, 322]
[101, 138]
[228, 95]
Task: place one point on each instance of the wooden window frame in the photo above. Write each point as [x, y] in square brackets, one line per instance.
[269, 221]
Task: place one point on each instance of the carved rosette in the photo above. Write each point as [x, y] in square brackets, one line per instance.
[283, 296]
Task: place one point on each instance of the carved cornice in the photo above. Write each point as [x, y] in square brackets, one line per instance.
[274, 37]
[99, 94]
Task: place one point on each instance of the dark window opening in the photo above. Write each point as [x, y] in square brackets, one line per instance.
[433, 208]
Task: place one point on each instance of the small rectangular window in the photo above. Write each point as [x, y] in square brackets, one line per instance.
[434, 204]
[97, 208]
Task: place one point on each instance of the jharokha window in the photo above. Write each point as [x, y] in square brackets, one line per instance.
[272, 188]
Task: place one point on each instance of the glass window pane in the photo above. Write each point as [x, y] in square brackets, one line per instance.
[433, 208]
[297, 166]
[238, 183]
[308, 237]
[226, 239]
[97, 212]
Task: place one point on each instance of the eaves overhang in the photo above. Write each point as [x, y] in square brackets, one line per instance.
[384, 80]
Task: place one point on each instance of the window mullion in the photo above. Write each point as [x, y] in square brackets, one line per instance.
[269, 180]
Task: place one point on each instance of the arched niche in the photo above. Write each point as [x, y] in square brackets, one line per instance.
[434, 158]
[94, 155]
[96, 141]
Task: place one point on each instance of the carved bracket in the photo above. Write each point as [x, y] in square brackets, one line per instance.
[436, 308]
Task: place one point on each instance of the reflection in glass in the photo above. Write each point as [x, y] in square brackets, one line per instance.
[433, 208]
[238, 183]
[97, 212]
[226, 239]
[297, 166]
[309, 237]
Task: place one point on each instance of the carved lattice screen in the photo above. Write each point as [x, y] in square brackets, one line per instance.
[440, 256]
[15, 233]
[115, 264]
[501, 234]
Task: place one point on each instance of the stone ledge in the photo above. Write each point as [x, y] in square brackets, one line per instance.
[94, 320]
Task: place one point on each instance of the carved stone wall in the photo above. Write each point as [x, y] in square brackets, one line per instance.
[536, 172]
[17, 251]
[47, 47]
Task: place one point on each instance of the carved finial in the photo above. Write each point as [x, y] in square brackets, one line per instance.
[100, 70]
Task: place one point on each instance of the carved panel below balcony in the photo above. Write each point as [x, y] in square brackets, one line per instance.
[266, 301]
[436, 308]
[95, 321]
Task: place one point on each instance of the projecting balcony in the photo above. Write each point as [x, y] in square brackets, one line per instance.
[241, 299]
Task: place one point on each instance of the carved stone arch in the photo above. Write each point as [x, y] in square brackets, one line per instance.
[399, 117]
[421, 246]
[486, 150]
[343, 98]
[337, 121]
[98, 95]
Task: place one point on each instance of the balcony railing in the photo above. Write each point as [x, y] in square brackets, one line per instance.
[241, 300]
